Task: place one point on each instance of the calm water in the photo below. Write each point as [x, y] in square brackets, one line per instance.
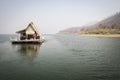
[61, 57]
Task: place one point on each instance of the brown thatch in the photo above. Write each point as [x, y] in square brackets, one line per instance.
[33, 27]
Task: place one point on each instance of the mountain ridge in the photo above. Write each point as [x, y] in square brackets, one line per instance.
[105, 26]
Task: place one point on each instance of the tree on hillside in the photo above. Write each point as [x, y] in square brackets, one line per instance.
[102, 26]
[113, 26]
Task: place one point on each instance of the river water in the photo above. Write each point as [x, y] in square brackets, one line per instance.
[61, 57]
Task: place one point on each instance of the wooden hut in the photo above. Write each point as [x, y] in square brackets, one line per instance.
[30, 34]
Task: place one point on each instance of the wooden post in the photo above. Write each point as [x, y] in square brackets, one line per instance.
[26, 35]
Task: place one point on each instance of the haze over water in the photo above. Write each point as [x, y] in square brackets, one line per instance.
[61, 57]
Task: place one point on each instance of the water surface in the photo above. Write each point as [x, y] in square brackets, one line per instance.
[61, 57]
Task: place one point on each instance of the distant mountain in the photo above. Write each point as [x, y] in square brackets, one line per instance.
[72, 30]
[112, 22]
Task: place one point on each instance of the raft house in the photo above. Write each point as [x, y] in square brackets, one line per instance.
[30, 34]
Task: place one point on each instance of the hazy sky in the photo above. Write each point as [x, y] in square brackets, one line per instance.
[53, 15]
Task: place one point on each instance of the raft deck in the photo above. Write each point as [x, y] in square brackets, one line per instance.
[27, 41]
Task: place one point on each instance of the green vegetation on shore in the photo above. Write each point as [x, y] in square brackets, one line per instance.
[103, 31]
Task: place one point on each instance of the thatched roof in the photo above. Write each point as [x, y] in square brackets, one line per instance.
[21, 31]
[32, 26]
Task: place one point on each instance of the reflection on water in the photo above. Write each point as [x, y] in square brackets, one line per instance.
[28, 50]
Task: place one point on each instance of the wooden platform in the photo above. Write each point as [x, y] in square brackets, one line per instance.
[27, 41]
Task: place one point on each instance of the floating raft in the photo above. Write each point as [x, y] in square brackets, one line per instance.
[30, 34]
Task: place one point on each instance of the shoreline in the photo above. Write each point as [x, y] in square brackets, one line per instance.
[101, 35]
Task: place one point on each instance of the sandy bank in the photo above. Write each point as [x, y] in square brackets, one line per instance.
[101, 35]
